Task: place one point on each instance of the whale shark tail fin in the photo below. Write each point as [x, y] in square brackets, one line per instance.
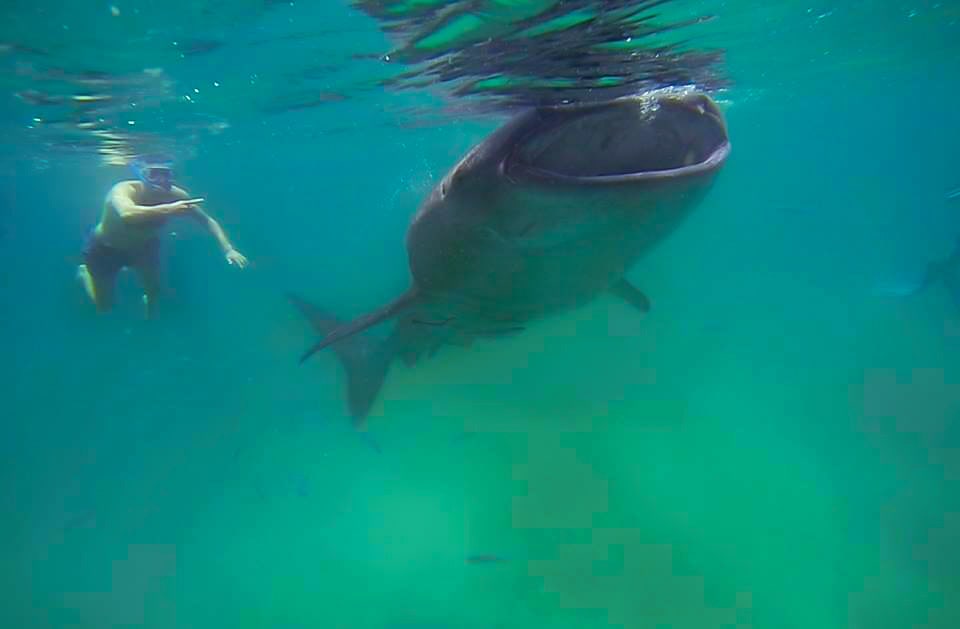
[366, 361]
[341, 331]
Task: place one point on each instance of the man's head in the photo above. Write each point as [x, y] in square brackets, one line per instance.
[155, 171]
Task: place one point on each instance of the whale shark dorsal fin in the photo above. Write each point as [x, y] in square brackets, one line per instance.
[366, 321]
[631, 294]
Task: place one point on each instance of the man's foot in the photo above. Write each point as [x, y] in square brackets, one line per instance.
[148, 307]
[83, 276]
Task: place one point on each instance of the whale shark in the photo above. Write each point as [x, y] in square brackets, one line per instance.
[548, 212]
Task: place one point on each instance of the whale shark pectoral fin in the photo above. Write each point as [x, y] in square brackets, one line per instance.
[631, 294]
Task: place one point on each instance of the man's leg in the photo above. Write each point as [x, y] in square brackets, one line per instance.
[148, 271]
[98, 286]
[98, 273]
[150, 280]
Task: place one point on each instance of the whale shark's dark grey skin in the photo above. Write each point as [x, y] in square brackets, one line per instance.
[547, 213]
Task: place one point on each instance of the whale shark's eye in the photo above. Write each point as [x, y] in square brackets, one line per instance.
[449, 182]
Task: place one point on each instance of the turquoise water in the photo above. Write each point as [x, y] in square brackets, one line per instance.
[774, 445]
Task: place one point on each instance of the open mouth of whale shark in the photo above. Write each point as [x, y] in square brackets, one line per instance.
[629, 139]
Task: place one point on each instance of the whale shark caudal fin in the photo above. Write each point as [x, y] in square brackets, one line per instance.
[365, 361]
[340, 332]
[631, 294]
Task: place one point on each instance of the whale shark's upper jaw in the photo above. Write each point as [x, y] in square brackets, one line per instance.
[662, 134]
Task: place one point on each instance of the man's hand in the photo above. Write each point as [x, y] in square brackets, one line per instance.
[235, 257]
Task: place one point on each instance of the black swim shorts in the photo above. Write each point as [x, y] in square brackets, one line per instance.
[102, 259]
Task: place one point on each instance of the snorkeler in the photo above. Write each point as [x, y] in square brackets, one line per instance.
[128, 232]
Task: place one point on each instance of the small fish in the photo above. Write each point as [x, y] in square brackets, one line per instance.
[194, 47]
[953, 194]
[363, 56]
[34, 97]
[310, 101]
[439, 323]
[14, 47]
[86, 77]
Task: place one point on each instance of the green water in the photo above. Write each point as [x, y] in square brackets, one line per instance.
[773, 446]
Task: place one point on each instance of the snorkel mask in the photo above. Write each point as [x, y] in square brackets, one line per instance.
[155, 172]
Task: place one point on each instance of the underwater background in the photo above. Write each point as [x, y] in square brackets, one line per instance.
[775, 445]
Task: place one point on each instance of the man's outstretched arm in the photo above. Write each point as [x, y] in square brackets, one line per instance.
[233, 256]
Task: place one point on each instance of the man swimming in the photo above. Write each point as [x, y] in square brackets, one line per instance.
[128, 234]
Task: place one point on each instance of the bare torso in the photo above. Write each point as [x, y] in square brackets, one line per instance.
[115, 232]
